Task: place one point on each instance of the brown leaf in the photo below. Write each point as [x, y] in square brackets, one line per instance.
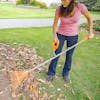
[41, 81]
[58, 99]
[58, 89]
[89, 97]
[66, 85]
[34, 89]
[52, 95]
[73, 92]
[1, 92]
[50, 85]
[44, 97]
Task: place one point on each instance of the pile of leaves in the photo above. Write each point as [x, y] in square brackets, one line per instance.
[7, 57]
[22, 57]
[26, 57]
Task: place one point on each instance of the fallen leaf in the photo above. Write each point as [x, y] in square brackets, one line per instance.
[50, 84]
[41, 81]
[58, 89]
[1, 92]
[66, 85]
[34, 89]
[89, 97]
[44, 97]
[58, 98]
[52, 95]
[73, 92]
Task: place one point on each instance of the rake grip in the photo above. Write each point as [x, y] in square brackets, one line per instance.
[86, 38]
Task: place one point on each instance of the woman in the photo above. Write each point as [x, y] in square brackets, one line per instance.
[69, 14]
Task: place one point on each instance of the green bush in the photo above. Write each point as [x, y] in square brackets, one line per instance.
[91, 4]
[32, 2]
[41, 4]
[23, 1]
[53, 5]
[19, 1]
[96, 25]
[37, 3]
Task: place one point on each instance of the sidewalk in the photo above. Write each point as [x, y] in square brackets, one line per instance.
[24, 23]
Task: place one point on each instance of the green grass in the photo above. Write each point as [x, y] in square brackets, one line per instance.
[7, 10]
[85, 67]
[31, 36]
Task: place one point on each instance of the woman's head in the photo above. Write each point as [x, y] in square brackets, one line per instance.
[65, 3]
[67, 7]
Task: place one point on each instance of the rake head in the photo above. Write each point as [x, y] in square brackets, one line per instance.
[17, 79]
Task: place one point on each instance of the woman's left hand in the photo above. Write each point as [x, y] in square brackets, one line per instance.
[90, 34]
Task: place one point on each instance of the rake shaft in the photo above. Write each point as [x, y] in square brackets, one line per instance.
[40, 65]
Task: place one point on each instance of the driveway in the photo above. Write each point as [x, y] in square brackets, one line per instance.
[24, 23]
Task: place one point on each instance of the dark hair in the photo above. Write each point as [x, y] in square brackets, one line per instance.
[65, 11]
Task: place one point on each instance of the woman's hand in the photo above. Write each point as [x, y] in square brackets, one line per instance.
[55, 38]
[91, 34]
[55, 43]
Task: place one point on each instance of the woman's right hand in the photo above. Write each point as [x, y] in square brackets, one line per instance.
[55, 43]
[55, 38]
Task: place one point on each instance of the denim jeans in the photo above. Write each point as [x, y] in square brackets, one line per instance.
[70, 40]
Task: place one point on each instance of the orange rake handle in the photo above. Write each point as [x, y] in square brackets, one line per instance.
[55, 45]
[85, 39]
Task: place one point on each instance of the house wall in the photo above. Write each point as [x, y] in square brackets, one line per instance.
[13, 1]
[48, 2]
[7, 0]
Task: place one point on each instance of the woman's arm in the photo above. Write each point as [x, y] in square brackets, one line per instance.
[55, 26]
[90, 23]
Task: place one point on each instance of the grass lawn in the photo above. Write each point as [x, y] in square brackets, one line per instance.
[7, 10]
[85, 67]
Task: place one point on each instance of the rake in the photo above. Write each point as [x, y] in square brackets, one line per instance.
[19, 78]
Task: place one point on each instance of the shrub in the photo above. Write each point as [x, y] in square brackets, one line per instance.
[91, 4]
[96, 25]
[53, 5]
[23, 1]
[37, 3]
[32, 2]
[19, 1]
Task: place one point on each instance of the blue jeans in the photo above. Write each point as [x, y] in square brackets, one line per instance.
[70, 40]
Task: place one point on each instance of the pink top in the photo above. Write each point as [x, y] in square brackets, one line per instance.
[69, 25]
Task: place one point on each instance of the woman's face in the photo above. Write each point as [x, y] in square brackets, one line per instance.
[65, 3]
